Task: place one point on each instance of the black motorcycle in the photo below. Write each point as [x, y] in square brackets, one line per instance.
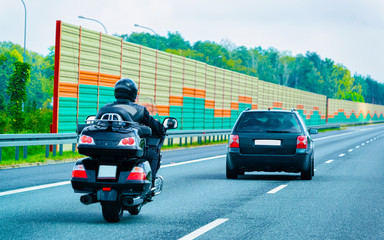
[115, 172]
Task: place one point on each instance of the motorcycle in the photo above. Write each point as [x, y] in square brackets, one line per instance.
[115, 174]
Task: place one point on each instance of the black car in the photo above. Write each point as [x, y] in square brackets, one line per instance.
[270, 141]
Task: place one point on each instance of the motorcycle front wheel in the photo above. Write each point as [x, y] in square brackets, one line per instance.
[112, 211]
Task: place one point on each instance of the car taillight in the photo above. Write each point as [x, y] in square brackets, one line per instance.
[234, 141]
[301, 142]
[79, 171]
[84, 139]
[127, 141]
[137, 173]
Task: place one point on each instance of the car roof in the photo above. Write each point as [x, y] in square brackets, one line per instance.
[270, 110]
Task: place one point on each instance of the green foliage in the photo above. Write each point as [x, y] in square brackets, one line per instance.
[308, 72]
[39, 120]
[17, 92]
[34, 104]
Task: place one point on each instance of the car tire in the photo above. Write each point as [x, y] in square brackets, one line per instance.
[313, 167]
[231, 174]
[307, 173]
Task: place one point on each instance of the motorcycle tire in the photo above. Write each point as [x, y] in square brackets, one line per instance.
[134, 210]
[112, 211]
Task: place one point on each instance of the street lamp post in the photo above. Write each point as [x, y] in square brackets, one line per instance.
[91, 19]
[215, 58]
[157, 35]
[25, 28]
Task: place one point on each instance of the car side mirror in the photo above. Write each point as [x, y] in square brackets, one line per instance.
[313, 131]
[170, 123]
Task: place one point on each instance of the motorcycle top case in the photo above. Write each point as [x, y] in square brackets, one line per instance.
[96, 141]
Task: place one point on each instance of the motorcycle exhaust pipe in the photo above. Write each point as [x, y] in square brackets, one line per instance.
[130, 201]
[87, 199]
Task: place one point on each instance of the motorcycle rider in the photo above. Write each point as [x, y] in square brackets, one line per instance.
[125, 94]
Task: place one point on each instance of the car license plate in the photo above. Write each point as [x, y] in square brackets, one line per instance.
[107, 172]
[267, 142]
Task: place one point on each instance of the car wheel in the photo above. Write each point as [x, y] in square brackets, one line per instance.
[231, 174]
[307, 173]
[313, 167]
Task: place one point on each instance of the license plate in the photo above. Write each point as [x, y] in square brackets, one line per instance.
[267, 142]
[107, 172]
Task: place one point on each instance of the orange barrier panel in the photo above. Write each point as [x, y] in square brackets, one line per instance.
[67, 89]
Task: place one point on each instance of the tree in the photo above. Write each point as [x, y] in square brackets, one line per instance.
[17, 92]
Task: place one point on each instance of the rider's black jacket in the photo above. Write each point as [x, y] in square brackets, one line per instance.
[131, 111]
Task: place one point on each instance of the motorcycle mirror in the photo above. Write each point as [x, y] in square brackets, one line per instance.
[170, 123]
[90, 119]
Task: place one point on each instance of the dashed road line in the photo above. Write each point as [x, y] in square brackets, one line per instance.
[329, 161]
[192, 161]
[27, 189]
[350, 150]
[342, 155]
[204, 229]
[275, 190]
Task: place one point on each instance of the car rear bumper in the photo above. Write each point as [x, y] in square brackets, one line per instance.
[268, 163]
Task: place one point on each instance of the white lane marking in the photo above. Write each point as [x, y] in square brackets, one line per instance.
[27, 189]
[204, 229]
[367, 141]
[343, 134]
[275, 190]
[362, 144]
[315, 169]
[192, 161]
[350, 150]
[357, 146]
[342, 155]
[329, 161]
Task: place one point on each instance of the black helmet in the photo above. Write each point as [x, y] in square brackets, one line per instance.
[126, 88]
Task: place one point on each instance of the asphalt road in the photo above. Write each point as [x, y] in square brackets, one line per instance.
[343, 201]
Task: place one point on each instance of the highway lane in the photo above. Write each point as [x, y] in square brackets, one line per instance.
[342, 201]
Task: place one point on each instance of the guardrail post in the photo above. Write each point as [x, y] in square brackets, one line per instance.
[186, 141]
[17, 153]
[25, 151]
[47, 151]
[61, 149]
[181, 142]
[73, 147]
[54, 150]
[191, 140]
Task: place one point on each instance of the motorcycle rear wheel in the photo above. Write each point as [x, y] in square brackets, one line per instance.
[134, 210]
[112, 211]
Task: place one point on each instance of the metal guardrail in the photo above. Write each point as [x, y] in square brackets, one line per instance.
[54, 139]
[51, 140]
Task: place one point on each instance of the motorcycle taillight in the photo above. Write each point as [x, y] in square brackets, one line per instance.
[79, 171]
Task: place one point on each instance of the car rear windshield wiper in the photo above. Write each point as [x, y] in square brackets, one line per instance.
[278, 131]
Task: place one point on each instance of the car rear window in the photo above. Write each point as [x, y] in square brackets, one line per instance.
[262, 122]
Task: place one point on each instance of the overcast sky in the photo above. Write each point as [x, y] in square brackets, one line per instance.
[350, 32]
